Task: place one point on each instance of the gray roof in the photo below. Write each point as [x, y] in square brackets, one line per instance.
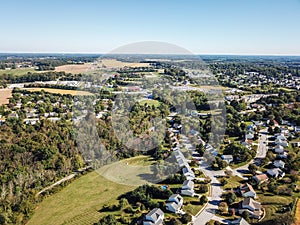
[155, 213]
[189, 184]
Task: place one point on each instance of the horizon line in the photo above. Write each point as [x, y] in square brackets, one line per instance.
[108, 53]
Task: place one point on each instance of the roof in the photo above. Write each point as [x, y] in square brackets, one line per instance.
[174, 205]
[252, 203]
[246, 188]
[155, 214]
[189, 184]
[279, 162]
[175, 196]
[261, 177]
[276, 171]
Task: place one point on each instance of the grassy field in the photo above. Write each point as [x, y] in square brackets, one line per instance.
[132, 171]
[233, 182]
[5, 94]
[272, 203]
[59, 91]
[19, 71]
[150, 102]
[79, 202]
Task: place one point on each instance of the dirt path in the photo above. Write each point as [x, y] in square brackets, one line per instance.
[63, 180]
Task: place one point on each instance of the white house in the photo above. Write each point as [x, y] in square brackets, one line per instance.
[188, 173]
[282, 143]
[279, 149]
[276, 172]
[247, 191]
[281, 137]
[174, 203]
[249, 136]
[154, 217]
[188, 188]
[279, 164]
[252, 207]
[227, 158]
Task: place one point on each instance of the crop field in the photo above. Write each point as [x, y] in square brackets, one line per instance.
[74, 68]
[59, 91]
[5, 94]
[113, 63]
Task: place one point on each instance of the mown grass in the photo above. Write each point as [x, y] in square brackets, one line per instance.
[80, 202]
[150, 102]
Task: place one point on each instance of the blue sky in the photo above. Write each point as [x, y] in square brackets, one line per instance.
[201, 26]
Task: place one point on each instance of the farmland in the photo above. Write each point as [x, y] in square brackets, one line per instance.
[59, 91]
[5, 94]
[75, 69]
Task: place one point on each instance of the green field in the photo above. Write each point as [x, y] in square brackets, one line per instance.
[79, 202]
[273, 203]
[150, 102]
[18, 72]
[132, 171]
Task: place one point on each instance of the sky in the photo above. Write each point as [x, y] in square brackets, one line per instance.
[268, 27]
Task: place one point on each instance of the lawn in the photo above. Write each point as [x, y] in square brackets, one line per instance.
[59, 91]
[79, 202]
[133, 171]
[150, 102]
[232, 182]
[272, 203]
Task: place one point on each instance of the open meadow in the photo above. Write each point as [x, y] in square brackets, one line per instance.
[79, 202]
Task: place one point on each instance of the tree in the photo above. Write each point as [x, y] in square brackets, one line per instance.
[174, 221]
[110, 219]
[186, 218]
[223, 207]
[252, 168]
[203, 199]
[230, 197]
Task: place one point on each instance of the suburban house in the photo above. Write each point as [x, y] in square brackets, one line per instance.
[261, 178]
[188, 173]
[281, 137]
[247, 191]
[227, 158]
[240, 221]
[279, 149]
[174, 203]
[279, 164]
[275, 173]
[252, 207]
[283, 155]
[154, 217]
[282, 143]
[188, 188]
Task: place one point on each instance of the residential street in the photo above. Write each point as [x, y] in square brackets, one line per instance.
[208, 212]
[262, 144]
